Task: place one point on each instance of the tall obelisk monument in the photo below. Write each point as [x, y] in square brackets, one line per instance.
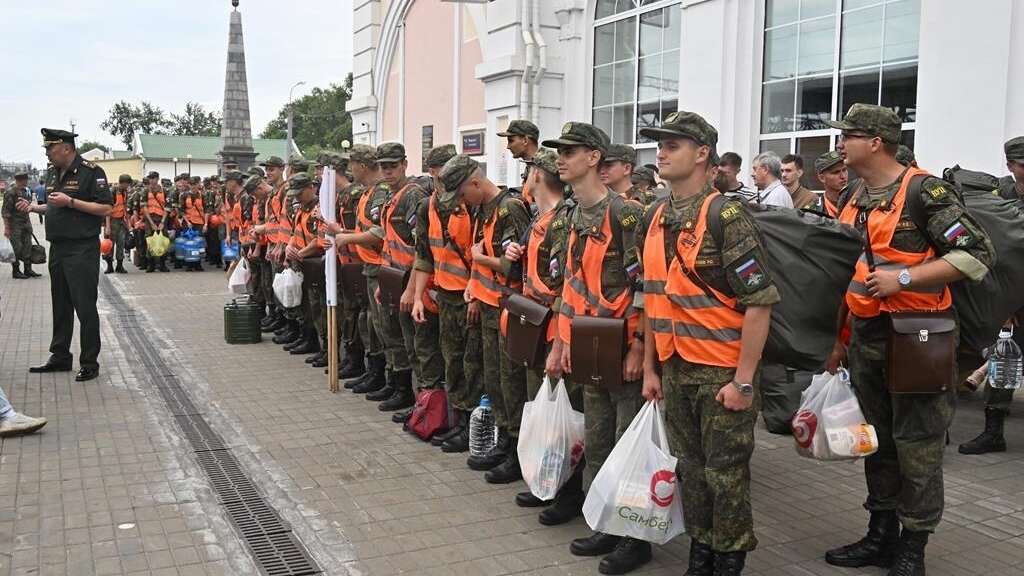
[236, 131]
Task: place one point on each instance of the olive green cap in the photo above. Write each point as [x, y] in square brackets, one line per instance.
[643, 174]
[685, 125]
[196, 180]
[122, 179]
[298, 163]
[255, 171]
[904, 155]
[234, 175]
[1014, 149]
[622, 153]
[439, 155]
[363, 153]
[390, 152]
[181, 176]
[827, 160]
[546, 160]
[874, 120]
[24, 176]
[521, 128]
[52, 136]
[456, 171]
[252, 182]
[581, 134]
[153, 174]
[276, 161]
[297, 183]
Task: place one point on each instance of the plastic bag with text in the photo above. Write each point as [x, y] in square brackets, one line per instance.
[635, 493]
[550, 440]
[829, 424]
[288, 288]
[241, 279]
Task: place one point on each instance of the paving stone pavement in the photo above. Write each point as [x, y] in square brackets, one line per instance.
[362, 496]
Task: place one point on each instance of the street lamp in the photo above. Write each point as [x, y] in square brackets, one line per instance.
[189, 156]
[175, 167]
[288, 142]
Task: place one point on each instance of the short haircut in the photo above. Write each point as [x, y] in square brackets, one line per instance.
[552, 180]
[771, 161]
[794, 159]
[732, 159]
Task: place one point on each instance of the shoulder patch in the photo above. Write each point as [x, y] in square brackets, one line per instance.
[959, 235]
[628, 221]
[730, 211]
[937, 192]
[88, 164]
[502, 211]
[751, 274]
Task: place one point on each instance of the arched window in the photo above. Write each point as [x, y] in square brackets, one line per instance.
[636, 65]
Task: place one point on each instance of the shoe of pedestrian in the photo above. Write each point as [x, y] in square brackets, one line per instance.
[29, 272]
[17, 424]
[402, 397]
[401, 416]
[110, 267]
[457, 442]
[163, 268]
[509, 470]
[631, 554]
[991, 438]
[120, 267]
[493, 457]
[909, 557]
[353, 365]
[528, 500]
[375, 377]
[568, 502]
[87, 373]
[16, 272]
[874, 549]
[52, 365]
[731, 563]
[598, 544]
[702, 560]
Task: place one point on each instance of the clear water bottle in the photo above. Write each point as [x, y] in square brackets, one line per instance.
[1005, 364]
[550, 474]
[483, 434]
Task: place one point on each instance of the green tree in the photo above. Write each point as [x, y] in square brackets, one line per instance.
[320, 119]
[90, 145]
[195, 121]
[125, 120]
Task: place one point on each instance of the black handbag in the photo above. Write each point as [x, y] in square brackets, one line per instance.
[128, 240]
[38, 253]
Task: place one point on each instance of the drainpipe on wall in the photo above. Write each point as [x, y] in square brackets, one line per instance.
[542, 53]
[524, 84]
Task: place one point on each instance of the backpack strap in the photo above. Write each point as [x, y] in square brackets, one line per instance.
[714, 227]
[916, 208]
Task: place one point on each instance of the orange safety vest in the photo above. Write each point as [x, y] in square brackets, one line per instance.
[684, 318]
[363, 223]
[881, 225]
[395, 251]
[237, 223]
[830, 208]
[582, 292]
[155, 203]
[273, 214]
[117, 211]
[450, 270]
[300, 236]
[533, 287]
[527, 189]
[486, 285]
[194, 212]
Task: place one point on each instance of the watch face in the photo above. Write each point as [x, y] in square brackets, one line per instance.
[904, 277]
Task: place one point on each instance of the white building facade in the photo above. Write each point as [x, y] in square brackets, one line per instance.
[766, 73]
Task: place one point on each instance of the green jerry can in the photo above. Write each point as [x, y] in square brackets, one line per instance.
[242, 322]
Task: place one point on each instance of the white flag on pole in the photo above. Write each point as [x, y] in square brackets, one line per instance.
[328, 201]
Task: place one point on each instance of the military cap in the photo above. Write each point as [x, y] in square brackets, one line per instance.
[299, 163]
[456, 171]
[153, 174]
[166, 181]
[338, 161]
[363, 153]
[234, 175]
[182, 176]
[276, 161]
[521, 128]
[1014, 149]
[52, 136]
[643, 174]
[122, 179]
[297, 183]
[874, 120]
[22, 175]
[905, 156]
[827, 160]
[581, 134]
[390, 152]
[252, 182]
[622, 153]
[195, 180]
[256, 171]
[685, 125]
[546, 160]
[439, 155]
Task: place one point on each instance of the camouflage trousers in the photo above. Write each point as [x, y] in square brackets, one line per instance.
[317, 298]
[460, 348]
[427, 343]
[905, 474]
[270, 269]
[607, 413]
[375, 325]
[348, 320]
[21, 240]
[117, 229]
[397, 335]
[259, 269]
[504, 380]
[713, 445]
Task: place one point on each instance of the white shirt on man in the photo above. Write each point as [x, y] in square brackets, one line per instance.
[775, 194]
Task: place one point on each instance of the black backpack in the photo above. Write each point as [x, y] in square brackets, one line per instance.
[812, 259]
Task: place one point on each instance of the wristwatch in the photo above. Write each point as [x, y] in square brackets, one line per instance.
[638, 335]
[904, 277]
[745, 389]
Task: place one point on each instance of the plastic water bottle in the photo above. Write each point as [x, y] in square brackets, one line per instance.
[483, 434]
[1005, 364]
[550, 474]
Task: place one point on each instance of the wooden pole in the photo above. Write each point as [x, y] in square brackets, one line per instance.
[332, 348]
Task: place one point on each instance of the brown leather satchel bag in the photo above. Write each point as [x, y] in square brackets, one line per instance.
[921, 352]
[596, 350]
[353, 283]
[392, 283]
[526, 329]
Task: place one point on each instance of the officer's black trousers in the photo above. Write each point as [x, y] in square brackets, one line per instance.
[74, 280]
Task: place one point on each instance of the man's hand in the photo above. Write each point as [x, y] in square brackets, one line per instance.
[652, 386]
[553, 363]
[418, 315]
[333, 228]
[514, 252]
[883, 283]
[731, 398]
[477, 250]
[376, 296]
[406, 301]
[106, 231]
[566, 359]
[836, 358]
[292, 253]
[633, 364]
[473, 312]
[205, 228]
[58, 199]
[22, 205]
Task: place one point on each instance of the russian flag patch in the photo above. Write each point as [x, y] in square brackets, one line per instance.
[750, 273]
[958, 235]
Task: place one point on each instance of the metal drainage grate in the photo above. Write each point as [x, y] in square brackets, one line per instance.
[276, 550]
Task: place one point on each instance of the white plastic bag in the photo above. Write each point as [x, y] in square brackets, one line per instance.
[830, 424]
[635, 493]
[288, 288]
[7, 255]
[240, 281]
[550, 440]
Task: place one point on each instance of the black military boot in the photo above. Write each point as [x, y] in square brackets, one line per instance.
[568, 503]
[110, 266]
[28, 270]
[401, 416]
[909, 557]
[875, 549]
[177, 264]
[528, 500]
[729, 563]
[16, 272]
[276, 324]
[150, 265]
[492, 458]
[354, 364]
[163, 264]
[629, 554]
[288, 336]
[440, 439]
[286, 327]
[375, 378]
[311, 345]
[509, 470]
[403, 396]
[322, 359]
[388, 389]
[120, 267]
[269, 318]
[991, 438]
[596, 544]
[459, 441]
[702, 560]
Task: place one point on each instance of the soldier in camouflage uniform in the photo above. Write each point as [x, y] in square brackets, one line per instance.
[522, 137]
[18, 226]
[172, 200]
[705, 377]
[617, 173]
[304, 253]
[904, 477]
[114, 225]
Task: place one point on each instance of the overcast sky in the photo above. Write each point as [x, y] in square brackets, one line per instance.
[68, 59]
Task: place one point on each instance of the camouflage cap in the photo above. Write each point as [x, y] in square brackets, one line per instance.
[153, 174]
[685, 125]
[22, 175]
[874, 120]
[299, 163]
[252, 182]
[256, 171]
[521, 128]
[363, 153]
[275, 161]
[827, 160]
[622, 153]
[122, 179]
[338, 161]
[297, 183]
[1014, 149]
[181, 176]
[643, 174]
[390, 152]
[438, 155]
[196, 180]
[581, 134]
[456, 171]
[905, 156]
[166, 181]
[546, 160]
[234, 176]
